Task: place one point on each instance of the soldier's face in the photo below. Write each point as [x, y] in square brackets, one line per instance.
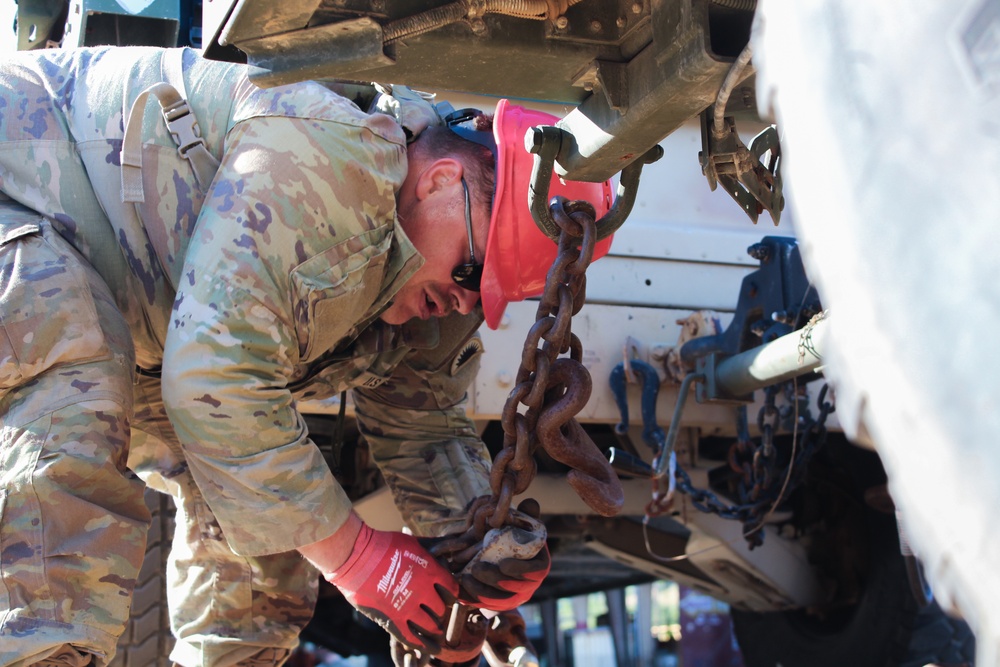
[434, 220]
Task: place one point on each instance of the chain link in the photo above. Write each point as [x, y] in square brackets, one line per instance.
[758, 487]
[552, 389]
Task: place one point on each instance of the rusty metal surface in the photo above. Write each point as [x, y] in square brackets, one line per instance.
[636, 70]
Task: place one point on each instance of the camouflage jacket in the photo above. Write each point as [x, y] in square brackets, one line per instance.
[262, 289]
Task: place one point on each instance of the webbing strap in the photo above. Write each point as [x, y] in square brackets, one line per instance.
[183, 128]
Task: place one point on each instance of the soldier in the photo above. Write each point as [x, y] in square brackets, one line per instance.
[171, 284]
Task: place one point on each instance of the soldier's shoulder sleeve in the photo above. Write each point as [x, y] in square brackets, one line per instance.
[425, 444]
[293, 195]
[443, 360]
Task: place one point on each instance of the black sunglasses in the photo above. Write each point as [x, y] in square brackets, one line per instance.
[468, 275]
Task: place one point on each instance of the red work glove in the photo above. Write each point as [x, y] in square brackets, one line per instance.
[511, 566]
[391, 579]
[404, 656]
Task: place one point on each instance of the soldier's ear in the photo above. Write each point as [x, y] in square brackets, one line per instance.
[438, 175]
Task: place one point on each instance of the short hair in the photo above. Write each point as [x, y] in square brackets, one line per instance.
[438, 142]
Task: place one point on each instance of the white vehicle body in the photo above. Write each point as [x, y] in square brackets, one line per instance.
[683, 251]
[888, 119]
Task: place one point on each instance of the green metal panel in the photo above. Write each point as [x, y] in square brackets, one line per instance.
[36, 21]
[125, 23]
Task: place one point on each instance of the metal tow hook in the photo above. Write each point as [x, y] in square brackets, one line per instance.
[545, 141]
[652, 434]
[466, 627]
[664, 474]
[565, 440]
[507, 643]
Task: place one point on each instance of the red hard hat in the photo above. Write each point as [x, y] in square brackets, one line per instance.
[518, 253]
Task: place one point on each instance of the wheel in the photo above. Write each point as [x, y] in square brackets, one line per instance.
[871, 635]
[147, 641]
[874, 618]
[790, 639]
[940, 639]
[890, 150]
[868, 621]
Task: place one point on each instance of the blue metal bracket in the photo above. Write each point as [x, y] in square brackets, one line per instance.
[652, 434]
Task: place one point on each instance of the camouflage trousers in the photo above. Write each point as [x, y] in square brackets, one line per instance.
[74, 424]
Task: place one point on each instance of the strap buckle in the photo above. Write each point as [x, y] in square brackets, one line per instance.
[183, 127]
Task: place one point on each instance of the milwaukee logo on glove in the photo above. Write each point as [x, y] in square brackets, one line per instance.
[384, 572]
[390, 575]
[400, 592]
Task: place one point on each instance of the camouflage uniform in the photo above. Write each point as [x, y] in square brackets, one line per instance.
[174, 336]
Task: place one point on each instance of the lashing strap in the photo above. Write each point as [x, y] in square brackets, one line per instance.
[183, 128]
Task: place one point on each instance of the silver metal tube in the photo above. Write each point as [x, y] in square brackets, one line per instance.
[796, 354]
[734, 77]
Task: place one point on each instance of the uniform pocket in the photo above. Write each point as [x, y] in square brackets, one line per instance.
[335, 376]
[448, 367]
[47, 313]
[336, 290]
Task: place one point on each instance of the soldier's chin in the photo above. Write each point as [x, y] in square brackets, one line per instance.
[396, 314]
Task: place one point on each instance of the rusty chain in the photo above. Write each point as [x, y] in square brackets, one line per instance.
[758, 483]
[553, 390]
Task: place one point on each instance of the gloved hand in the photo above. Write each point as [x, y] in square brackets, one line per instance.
[391, 579]
[512, 564]
[404, 656]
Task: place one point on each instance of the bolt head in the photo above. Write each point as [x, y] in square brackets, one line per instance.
[533, 140]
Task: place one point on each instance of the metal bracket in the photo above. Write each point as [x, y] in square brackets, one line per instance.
[775, 300]
[348, 48]
[545, 142]
[725, 159]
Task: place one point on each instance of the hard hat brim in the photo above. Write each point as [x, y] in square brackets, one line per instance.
[518, 253]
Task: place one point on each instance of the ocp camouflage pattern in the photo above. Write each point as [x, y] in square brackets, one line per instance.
[261, 291]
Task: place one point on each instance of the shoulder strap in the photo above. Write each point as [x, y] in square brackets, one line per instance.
[181, 123]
